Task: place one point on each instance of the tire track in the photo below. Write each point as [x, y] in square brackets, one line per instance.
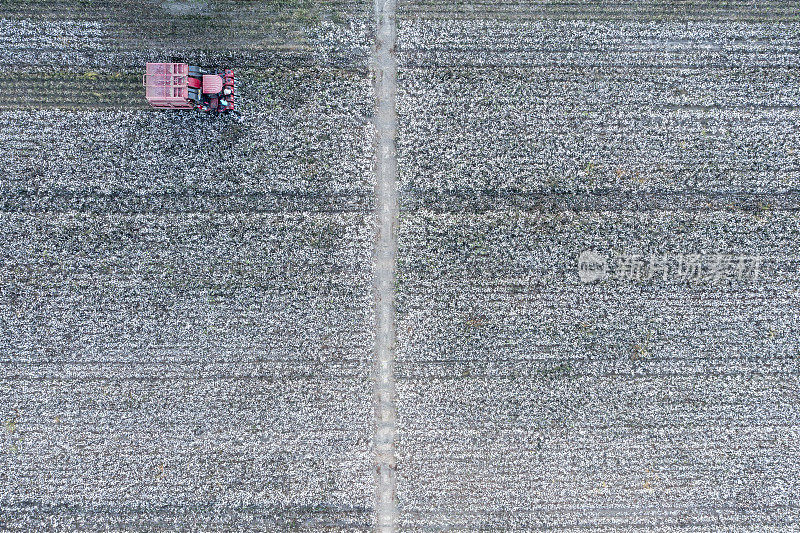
[386, 210]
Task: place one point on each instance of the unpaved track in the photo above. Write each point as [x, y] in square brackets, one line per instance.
[386, 208]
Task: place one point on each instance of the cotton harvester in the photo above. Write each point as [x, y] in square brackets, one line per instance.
[180, 86]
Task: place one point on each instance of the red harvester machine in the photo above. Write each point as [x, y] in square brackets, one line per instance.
[180, 86]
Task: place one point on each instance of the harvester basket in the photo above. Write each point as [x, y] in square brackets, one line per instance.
[166, 84]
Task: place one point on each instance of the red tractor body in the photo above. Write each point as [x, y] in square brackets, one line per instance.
[180, 86]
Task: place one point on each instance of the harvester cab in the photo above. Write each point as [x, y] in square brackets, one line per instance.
[181, 86]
